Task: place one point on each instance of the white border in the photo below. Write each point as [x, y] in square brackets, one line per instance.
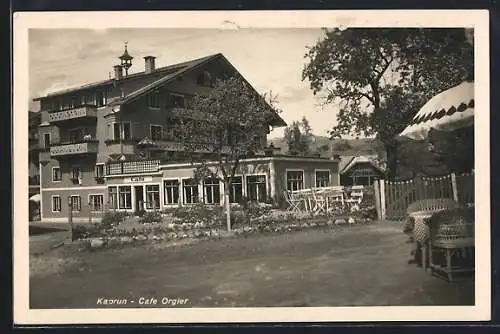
[60, 174]
[478, 19]
[52, 203]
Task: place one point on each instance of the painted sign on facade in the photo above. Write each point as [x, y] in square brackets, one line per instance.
[138, 179]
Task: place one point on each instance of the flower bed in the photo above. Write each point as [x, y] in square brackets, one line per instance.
[208, 222]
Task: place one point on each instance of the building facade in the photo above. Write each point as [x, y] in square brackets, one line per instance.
[91, 151]
[359, 170]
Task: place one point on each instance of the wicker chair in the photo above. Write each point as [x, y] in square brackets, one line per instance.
[418, 212]
[452, 232]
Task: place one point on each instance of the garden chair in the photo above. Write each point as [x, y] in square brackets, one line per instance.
[320, 201]
[336, 195]
[293, 201]
[419, 212]
[452, 234]
[356, 195]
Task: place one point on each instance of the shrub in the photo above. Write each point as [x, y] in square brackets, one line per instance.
[80, 232]
[210, 215]
[150, 218]
[112, 218]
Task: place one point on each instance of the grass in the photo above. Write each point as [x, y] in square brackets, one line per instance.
[353, 266]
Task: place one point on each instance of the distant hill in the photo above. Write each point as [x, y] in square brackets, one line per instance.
[327, 147]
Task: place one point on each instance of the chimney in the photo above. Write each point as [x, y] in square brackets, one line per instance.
[118, 72]
[149, 62]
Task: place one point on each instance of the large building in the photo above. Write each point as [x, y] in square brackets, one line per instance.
[91, 146]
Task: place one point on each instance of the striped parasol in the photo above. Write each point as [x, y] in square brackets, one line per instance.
[447, 111]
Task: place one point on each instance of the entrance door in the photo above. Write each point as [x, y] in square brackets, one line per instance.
[139, 198]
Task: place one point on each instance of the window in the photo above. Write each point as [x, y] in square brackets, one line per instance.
[190, 190]
[153, 196]
[56, 174]
[322, 178]
[125, 197]
[76, 173]
[171, 188]
[99, 170]
[122, 131]
[154, 99]
[256, 188]
[100, 99]
[211, 189]
[178, 101]
[56, 203]
[126, 131]
[46, 140]
[294, 180]
[96, 202]
[76, 203]
[204, 79]
[113, 197]
[236, 190]
[156, 132]
[116, 130]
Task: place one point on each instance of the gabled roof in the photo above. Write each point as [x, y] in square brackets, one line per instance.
[170, 72]
[351, 161]
[173, 69]
[179, 69]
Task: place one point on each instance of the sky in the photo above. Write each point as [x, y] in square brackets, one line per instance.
[270, 59]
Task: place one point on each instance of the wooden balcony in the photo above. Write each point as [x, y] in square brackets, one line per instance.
[84, 112]
[68, 149]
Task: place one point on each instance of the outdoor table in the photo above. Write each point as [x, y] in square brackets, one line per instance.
[421, 232]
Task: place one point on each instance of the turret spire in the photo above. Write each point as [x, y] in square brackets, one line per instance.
[126, 59]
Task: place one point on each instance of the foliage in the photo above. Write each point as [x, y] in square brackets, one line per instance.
[150, 217]
[341, 145]
[229, 123]
[210, 215]
[112, 218]
[299, 137]
[382, 76]
[80, 232]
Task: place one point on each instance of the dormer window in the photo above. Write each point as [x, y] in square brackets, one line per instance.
[178, 101]
[154, 99]
[204, 79]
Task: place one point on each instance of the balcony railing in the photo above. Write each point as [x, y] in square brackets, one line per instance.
[87, 147]
[87, 111]
[133, 167]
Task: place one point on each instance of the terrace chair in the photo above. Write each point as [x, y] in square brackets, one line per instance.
[320, 201]
[452, 234]
[293, 201]
[356, 195]
[420, 211]
[336, 195]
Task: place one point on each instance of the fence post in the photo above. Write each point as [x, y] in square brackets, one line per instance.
[454, 186]
[376, 189]
[382, 199]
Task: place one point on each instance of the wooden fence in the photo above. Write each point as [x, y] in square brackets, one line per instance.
[393, 197]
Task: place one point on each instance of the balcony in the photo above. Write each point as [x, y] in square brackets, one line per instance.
[67, 149]
[84, 112]
[133, 167]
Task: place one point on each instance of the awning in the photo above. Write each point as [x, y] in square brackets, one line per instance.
[447, 111]
[35, 198]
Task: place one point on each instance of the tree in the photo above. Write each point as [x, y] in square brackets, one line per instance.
[298, 137]
[226, 125]
[382, 76]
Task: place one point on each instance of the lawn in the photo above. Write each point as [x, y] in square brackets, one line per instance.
[342, 266]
